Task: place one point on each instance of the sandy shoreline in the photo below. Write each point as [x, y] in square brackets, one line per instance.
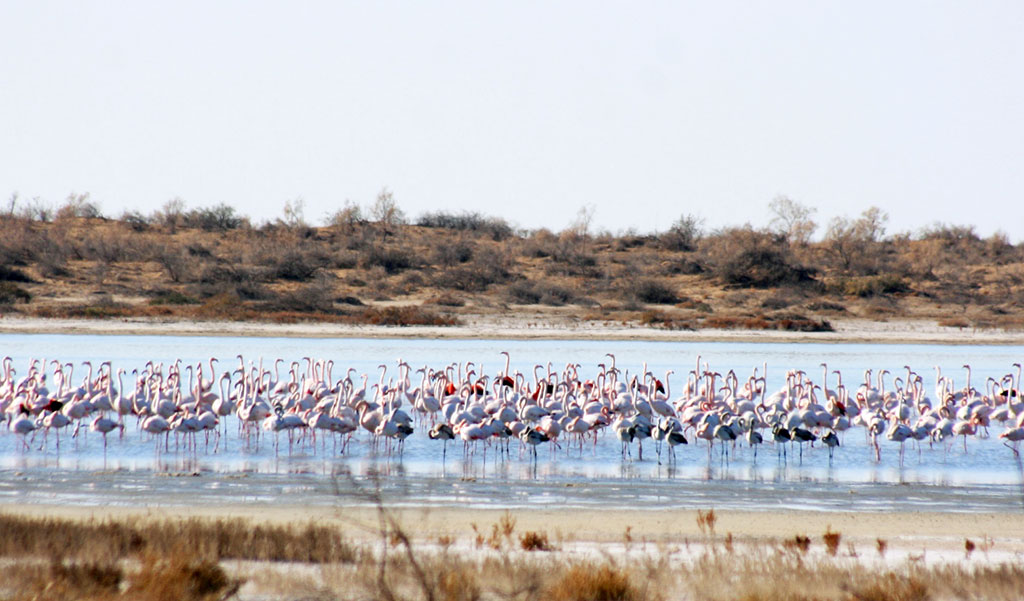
[523, 328]
[907, 530]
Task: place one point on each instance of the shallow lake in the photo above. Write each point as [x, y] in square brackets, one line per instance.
[136, 470]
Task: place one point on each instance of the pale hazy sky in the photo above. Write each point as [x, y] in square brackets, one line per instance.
[524, 110]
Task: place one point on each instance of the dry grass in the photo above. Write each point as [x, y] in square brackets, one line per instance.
[76, 563]
[208, 539]
[831, 540]
[535, 541]
[706, 521]
[590, 582]
[211, 263]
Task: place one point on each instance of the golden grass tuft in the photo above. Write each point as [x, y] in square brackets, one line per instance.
[832, 540]
[458, 585]
[178, 576]
[534, 541]
[706, 521]
[881, 545]
[799, 543]
[65, 580]
[891, 587]
[208, 539]
[589, 582]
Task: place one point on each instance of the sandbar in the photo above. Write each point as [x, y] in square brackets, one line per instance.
[520, 327]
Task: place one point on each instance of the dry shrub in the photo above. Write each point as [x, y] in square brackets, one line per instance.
[969, 547]
[392, 259]
[954, 322]
[12, 293]
[526, 292]
[751, 258]
[869, 286]
[13, 274]
[316, 296]
[173, 298]
[590, 582]
[494, 227]
[61, 580]
[211, 539]
[407, 315]
[502, 531]
[799, 543]
[737, 322]
[789, 323]
[296, 264]
[891, 587]
[652, 291]
[706, 521]
[458, 584]
[832, 540]
[779, 301]
[447, 299]
[179, 577]
[534, 541]
[825, 306]
[666, 321]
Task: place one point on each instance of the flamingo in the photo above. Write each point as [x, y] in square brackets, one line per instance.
[104, 425]
[1014, 435]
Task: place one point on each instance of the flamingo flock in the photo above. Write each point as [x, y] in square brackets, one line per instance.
[556, 408]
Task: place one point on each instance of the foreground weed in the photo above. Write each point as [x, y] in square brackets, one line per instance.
[831, 540]
[588, 582]
[706, 521]
[535, 541]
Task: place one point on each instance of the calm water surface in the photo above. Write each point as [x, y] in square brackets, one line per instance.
[136, 471]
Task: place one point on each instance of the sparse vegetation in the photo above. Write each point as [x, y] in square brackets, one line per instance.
[192, 559]
[212, 263]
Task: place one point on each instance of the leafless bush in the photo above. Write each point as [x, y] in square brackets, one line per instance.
[778, 301]
[348, 216]
[752, 258]
[218, 218]
[448, 255]
[386, 213]
[392, 258]
[174, 260]
[171, 214]
[109, 246]
[314, 297]
[297, 264]
[78, 205]
[856, 245]
[526, 292]
[11, 293]
[135, 220]
[447, 299]
[684, 235]
[237, 279]
[495, 228]
[869, 286]
[541, 243]
[409, 315]
[13, 274]
[487, 267]
[706, 521]
[653, 291]
[630, 240]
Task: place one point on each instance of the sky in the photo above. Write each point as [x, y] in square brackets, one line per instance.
[640, 112]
